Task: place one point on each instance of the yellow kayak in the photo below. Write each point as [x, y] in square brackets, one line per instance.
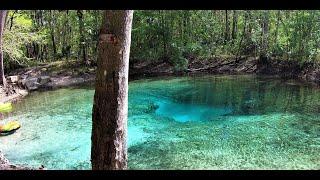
[10, 127]
[5, 107]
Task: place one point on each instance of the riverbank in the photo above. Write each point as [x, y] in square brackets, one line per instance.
[307, 71]
[44, 77]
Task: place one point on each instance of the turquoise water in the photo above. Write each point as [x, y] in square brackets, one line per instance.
[211, 122]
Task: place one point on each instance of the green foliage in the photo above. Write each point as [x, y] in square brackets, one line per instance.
[166, 35]
[176, 57]
[20, 35]
[202, 34]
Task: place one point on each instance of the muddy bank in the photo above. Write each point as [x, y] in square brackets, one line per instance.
[195, 66]
[309, 72]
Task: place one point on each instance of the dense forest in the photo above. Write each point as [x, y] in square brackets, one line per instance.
[37, 36]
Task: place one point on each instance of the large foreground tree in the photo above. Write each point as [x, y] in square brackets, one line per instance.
[110, 108]
[3, 15]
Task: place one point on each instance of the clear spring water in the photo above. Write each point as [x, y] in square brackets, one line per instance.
[211, 122]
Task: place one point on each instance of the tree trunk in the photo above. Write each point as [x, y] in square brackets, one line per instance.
[52, 35]
[248, 19]
[277, 27]
[227, 29]
[110, 108]
[11, 19]
[164, 34]
[3, 14]
[265, 31]
[82, 44]
[185, 27]
[234, 25]
[66, 47]
[242, 36]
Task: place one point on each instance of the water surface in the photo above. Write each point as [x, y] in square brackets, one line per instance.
[211, 122]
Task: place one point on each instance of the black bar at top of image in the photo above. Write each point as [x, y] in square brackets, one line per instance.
[160, 4]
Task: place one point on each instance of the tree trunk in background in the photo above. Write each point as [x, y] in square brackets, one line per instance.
[110, 108]
[248, 24]
[82, 44]
[185, 27]
[52, 35]
[97, 34]
[234, 24]
[164, 35]
[11, 19]
[265, 31]
[3, 15]
[277, 27]
[242, 36]
[227, 29]
[66, 48]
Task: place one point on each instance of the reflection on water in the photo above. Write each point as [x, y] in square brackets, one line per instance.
[211, 122]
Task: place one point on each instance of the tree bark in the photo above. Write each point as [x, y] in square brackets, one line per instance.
[3, 15]
[110, 108]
